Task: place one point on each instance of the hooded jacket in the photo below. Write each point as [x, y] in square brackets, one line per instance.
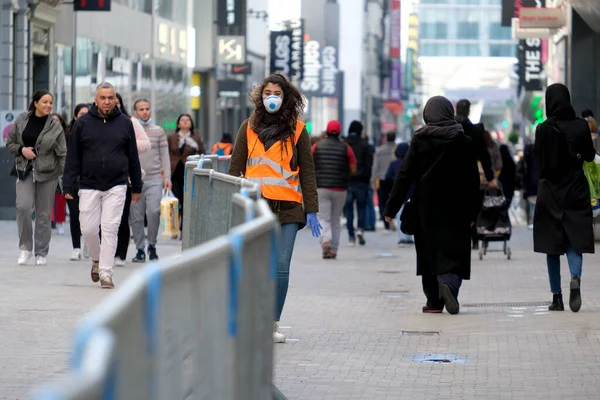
[563, 214]
[478, 142]
[442, 166]
[102, 153]
[363, 153]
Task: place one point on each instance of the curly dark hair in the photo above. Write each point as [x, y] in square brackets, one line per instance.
[291, 108]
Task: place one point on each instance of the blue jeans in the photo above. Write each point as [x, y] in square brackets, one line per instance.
[371, 215]
[575, 261]
[287, 239]
[359, 193]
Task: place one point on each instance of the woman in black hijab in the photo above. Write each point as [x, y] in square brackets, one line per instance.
[442, 165]
[508, 174]
[563, 222]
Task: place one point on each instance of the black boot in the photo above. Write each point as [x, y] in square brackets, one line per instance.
[575, 296]
[557, 303]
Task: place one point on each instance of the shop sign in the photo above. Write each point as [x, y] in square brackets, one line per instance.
[172, 42]
[542, 18]
[311, 82]
[231, 50]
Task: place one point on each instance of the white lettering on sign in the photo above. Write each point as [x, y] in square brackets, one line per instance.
[533, 59]
[296, 56]
[231, 50]
[230, 12]
[282, 54]
[329, 73]
[312, 67]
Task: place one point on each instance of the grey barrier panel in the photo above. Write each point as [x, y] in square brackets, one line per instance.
[242, 209]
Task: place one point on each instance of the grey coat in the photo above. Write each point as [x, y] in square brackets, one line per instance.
[50, 147]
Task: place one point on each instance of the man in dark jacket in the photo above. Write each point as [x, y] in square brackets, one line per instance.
[334, 163]
[358, 188]
[102, 156]
[463, 109]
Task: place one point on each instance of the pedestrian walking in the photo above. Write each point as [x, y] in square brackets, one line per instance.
[508, 174]
[390, 176]
[143, 145]
[494, 151]
[183, 143]
[358, 187]
[273, 149]
[59, 210]
[224, 147]
[528, 176]
[334, 164]
[102, 157]
[487, 176]
[442, 165]
[384, 155]
[594, 132]
[157, 177]
[73, 203]
[563, 222]
[39, 145]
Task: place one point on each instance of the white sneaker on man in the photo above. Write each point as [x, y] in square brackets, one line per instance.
[24, 257]
[76, 255]
[119, 262]
[39, 260]
[278, 337]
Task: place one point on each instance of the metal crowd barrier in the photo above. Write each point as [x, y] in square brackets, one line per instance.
[195, 326]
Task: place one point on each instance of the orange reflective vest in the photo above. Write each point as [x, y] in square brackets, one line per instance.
[225, 148]
[271, 168]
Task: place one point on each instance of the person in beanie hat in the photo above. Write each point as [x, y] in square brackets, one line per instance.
[334, 163]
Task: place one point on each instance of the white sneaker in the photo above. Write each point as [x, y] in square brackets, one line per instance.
[60, 229]
[76, 255]
[278, 337]
[39, 260]
[86, 254]
[530, 227]
[119, 262]
[24, 257]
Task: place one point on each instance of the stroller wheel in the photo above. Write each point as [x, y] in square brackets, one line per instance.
[505, 248]
[485, 248]
[481, 251]
[508, 253]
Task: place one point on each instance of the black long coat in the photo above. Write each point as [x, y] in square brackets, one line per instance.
[563, 213]
[442, 163]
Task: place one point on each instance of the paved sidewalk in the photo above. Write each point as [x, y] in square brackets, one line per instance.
[39, 307]
[357, 332]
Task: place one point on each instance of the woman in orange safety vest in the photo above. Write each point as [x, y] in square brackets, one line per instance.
[273, 149]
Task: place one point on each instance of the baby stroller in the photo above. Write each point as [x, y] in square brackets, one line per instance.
[493, 224]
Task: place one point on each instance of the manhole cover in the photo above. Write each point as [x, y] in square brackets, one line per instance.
[385, 255]
[420, 333]
[439, 358]
[509, 304]
[389, 272]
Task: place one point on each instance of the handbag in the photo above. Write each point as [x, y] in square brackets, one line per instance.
[21, 175]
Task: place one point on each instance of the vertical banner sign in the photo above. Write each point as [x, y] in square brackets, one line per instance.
[512, 8]
[531, 52]
[330, 50]
[395, 18]
[229, 13]
[311, 81]
[412, 54]
[91, 5]
[281, 52]
[297, 51]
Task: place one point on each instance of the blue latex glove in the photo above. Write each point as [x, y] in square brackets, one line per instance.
[313, 222]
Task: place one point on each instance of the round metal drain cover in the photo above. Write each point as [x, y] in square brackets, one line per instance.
[439, 358]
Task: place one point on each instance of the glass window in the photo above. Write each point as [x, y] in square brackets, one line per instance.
[142, 5]
[468, 1]
[468, 50]
[434, 49]
[498, 32]
[433, 30]
[503, 50]
[181, 12]
[164, 8]
[468, 30]
[434, 1]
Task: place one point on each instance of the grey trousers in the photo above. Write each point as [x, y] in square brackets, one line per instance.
[331, 206]
[39, 197]
[149, 206]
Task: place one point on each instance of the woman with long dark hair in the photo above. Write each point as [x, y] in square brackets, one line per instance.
[80, 109]
[39, 145]
[442, 165]
[273, 149]
[143, 145]
[184, 142]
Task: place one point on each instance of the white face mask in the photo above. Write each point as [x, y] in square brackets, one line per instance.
[272, 104]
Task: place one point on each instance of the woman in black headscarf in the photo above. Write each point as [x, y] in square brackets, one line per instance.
[563, 222]
[508, 174]
[442, 164]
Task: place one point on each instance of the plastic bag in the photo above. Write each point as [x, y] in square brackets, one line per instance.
[592, 174]
[169, 215]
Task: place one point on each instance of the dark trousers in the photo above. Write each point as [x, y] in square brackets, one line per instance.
[123, 237]
[431, 288]
[357, 193]
[74, 220]
[178, 192]
[383, 194]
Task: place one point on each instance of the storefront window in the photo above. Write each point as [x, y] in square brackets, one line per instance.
[62, 81]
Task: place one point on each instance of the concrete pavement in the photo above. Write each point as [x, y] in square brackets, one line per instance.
[357, 331]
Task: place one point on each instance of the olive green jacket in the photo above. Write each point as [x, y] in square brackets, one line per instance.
[50, 147]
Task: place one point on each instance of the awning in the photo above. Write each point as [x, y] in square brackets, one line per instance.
[589, 11]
